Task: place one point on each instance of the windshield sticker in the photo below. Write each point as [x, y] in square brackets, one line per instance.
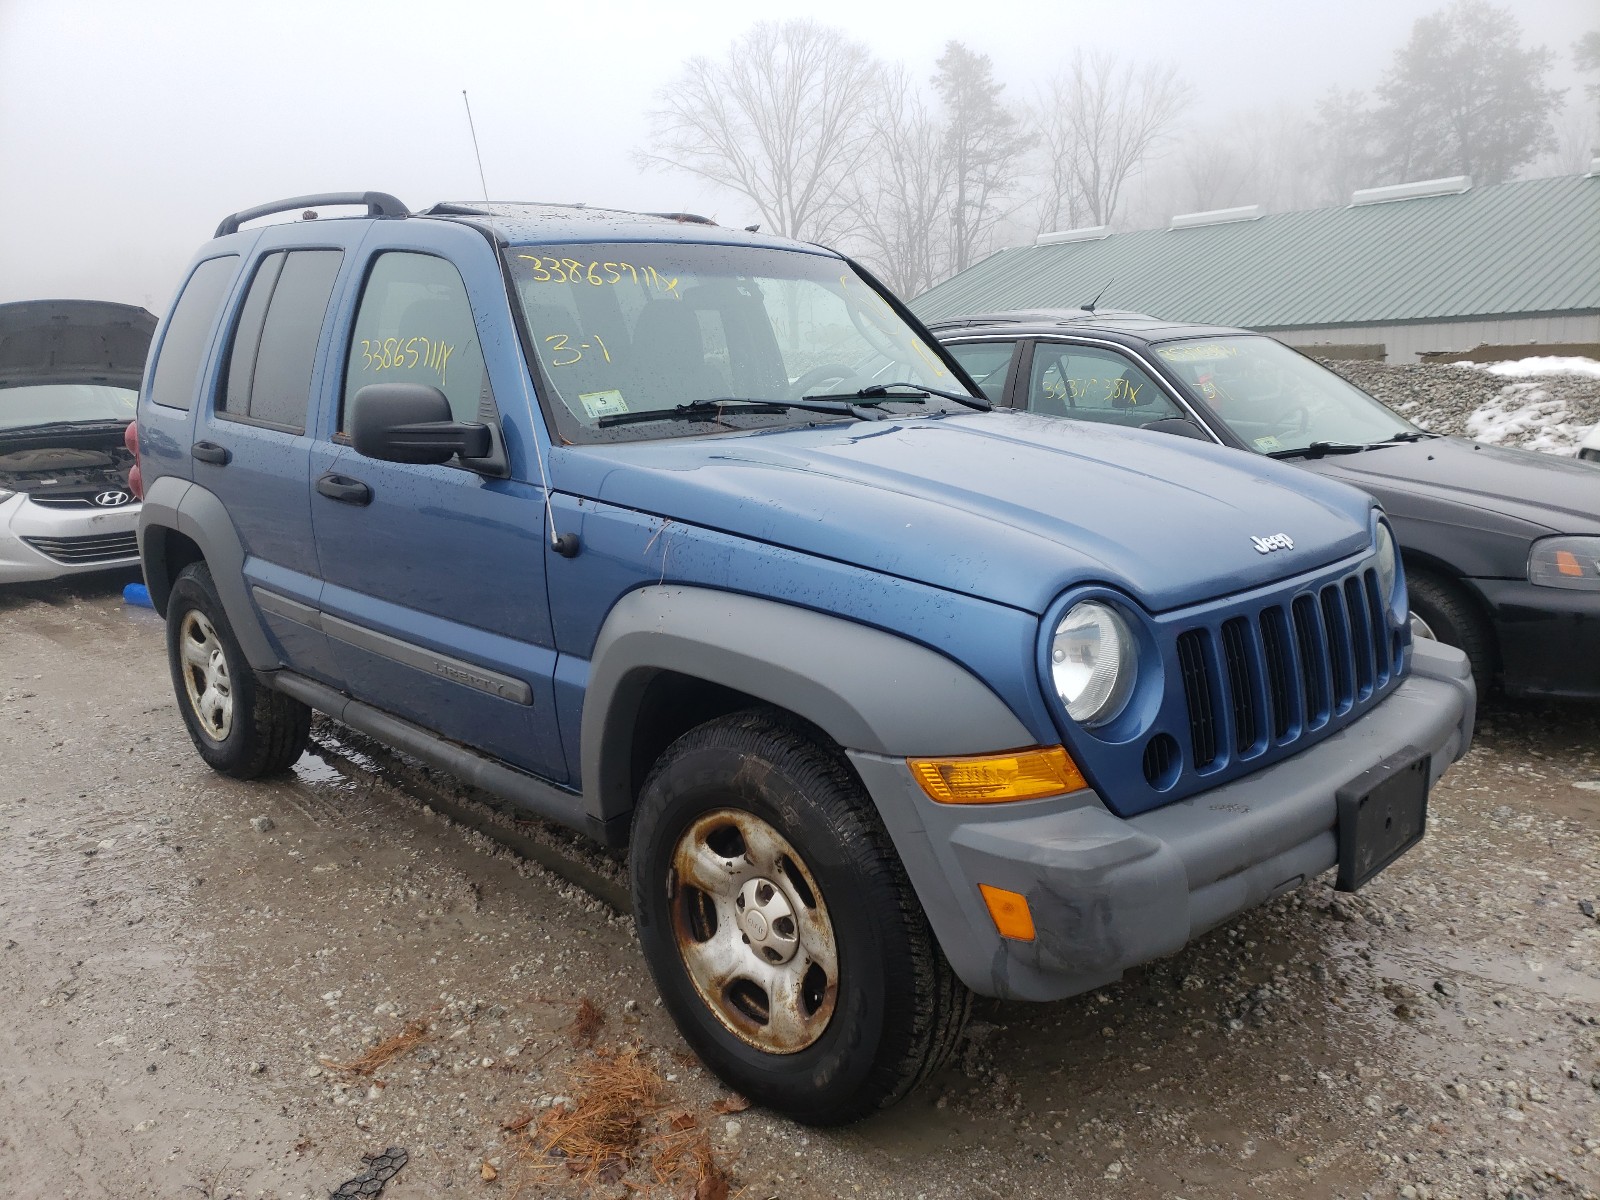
[1200, 353]
[1268, 444]
[563, 352]
[403, 354]
[603, 404]
[546, 269]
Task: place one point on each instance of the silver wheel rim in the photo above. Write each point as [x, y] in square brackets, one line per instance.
[753, 931]
[205, 674]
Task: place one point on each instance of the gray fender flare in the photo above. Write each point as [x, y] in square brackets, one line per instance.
[191, 510]
[868, 690]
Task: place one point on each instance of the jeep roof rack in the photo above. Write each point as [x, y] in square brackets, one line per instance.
[379, 204]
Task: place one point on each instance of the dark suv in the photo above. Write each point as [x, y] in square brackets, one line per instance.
[889, 696]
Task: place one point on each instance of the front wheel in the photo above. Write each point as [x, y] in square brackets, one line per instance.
[1453, 619]
[780, 927]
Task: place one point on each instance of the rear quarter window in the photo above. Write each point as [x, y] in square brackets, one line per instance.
[275, 346]
[188, 335]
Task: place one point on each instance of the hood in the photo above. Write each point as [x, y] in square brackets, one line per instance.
[1010, 507]
[73, 341]
[1548, 492]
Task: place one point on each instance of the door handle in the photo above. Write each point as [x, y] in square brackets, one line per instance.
[210, 452]
[344, 489]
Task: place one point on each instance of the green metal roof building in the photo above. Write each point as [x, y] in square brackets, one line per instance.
[1431, 266]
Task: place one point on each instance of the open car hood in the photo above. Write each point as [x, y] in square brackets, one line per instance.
[73, 341]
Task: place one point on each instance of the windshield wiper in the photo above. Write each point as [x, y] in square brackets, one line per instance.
[1413, 436]
[1318, 449]
[881, 392]
[708, 410]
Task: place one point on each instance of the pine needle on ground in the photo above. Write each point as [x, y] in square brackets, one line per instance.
[409, 1038]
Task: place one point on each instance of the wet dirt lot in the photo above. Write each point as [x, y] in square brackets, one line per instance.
[179, 954]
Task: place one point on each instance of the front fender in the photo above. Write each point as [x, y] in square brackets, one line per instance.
[186, 507]
[867, 689]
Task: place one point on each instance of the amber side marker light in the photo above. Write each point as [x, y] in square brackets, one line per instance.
[1009, 911]
[1567, 563]
[995, 778]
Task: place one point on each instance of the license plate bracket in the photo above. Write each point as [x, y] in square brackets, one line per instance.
[1382, 814]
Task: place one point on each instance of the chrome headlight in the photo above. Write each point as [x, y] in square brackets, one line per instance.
[1092, 662]
[1387, 564]
[1566, 562]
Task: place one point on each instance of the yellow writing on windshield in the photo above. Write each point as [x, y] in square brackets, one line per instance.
[405, 354]
[546, 269]
[1203, 352]
[854, 288]
[563, 352]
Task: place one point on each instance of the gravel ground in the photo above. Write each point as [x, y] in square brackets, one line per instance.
[183, 958]
[1541, 412]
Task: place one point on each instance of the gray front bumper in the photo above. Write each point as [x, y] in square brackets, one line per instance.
[1109, 893]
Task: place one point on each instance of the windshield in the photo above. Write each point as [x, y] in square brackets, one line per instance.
[52, 403]
[1275, 399]
[644, 327]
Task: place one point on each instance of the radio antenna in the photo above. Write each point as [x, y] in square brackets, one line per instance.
[475, 152]
[1088, 308]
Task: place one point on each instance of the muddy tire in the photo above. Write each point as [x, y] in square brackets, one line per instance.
[1455, 621]
[780, 927]
[239, 727]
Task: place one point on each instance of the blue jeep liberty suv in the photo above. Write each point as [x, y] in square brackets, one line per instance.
[694, 539]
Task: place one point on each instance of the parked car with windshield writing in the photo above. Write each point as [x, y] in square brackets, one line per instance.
[890, 698]
[69, 380]
[1501, 546]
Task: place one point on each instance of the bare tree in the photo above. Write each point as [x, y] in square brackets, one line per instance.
[782, 120]
[1346, 137]
[1220, 170]
[1586, 57]
[902, 194]
[984, 142]
[1100, 121]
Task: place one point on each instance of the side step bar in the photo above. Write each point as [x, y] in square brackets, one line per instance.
[542, 799]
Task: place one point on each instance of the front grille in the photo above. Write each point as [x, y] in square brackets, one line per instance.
[100, 547]
[1241, 688]
[1197, 690]
[1284, 670]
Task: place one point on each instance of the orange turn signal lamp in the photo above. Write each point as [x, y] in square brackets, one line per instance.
[1567, 563]
[995, 778]
[1009, 911]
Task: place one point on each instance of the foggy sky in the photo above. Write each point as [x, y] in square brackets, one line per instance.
[128, 128]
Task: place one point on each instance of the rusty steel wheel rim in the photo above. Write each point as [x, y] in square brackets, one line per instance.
[753, 931]
[205, 674]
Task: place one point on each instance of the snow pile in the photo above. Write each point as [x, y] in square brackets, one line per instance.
[1526, 415]
[1541, 403]
[1545, 365]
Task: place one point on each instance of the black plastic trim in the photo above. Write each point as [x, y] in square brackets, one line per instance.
[378, 204]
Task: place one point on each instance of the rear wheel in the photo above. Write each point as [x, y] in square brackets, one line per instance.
[780, 927]
[1455, 620]
[239, 727]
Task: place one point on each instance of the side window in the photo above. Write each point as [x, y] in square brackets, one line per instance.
[183, 346]
[415, 326]
[989, 364]
[275, 345]
[1094, 385]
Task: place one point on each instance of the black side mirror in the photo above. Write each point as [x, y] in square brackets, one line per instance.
[411, 423]
[1182, 426]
